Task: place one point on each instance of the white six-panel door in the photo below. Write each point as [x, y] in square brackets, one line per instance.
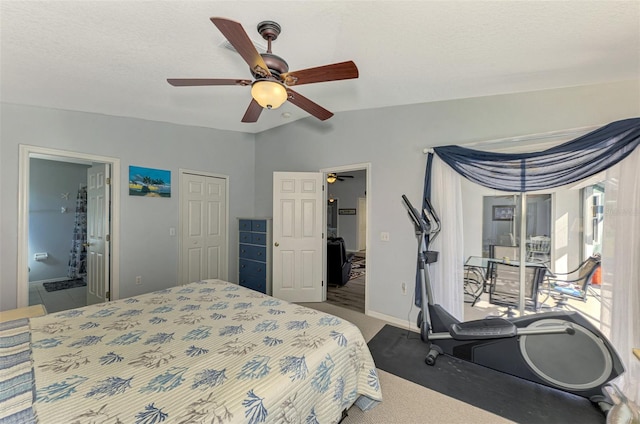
[97, 232]
[298, 212]
[204, 232]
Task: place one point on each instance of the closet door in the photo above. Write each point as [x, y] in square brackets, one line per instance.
[204, 232]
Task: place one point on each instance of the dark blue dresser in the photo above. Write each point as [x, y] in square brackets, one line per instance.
[254, 253]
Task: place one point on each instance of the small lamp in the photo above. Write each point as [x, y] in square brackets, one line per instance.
[269, 94]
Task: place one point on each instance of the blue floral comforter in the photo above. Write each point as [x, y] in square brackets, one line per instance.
[206, 352]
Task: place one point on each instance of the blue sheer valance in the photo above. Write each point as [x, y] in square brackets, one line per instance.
[563, 164]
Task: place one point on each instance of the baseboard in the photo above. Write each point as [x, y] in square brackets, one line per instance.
[51, 280]
[393, 320]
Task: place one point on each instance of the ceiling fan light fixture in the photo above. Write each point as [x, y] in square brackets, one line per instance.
[331, 178]
[269, 94]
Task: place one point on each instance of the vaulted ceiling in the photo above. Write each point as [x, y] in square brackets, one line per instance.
[113, 57]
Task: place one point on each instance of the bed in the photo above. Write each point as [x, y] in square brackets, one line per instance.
[207, 352]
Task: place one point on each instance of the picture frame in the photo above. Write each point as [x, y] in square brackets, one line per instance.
[149, 182]
[503, 212]
[346, 211]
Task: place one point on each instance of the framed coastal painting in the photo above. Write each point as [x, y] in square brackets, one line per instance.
[149, 182]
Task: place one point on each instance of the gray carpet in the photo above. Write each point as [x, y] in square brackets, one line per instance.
[404, 401]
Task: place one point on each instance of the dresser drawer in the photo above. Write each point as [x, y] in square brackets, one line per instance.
[252, 282]
[245, 224]
[245, 237]
[259, 225]
[259, 238]
[252, 267]
[257, 253]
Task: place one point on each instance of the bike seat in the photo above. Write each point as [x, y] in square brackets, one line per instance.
[494, 328]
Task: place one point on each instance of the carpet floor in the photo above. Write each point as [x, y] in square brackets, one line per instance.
[401, 352]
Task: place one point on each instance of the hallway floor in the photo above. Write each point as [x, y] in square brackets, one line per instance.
[59, 300]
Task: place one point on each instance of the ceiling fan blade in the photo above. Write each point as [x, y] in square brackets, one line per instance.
[308, 106]
[253, 112]
[240, 41]
[192, 82]
[335, 72]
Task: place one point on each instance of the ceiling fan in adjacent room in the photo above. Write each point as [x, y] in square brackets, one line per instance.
[333, 177]
[271, 76]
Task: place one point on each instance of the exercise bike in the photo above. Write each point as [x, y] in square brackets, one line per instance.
[559, 349]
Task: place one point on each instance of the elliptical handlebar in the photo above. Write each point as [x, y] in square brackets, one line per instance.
[423, 225]
[431, 214]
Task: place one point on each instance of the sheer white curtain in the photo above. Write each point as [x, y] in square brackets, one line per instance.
[620, 315]
[447, 274]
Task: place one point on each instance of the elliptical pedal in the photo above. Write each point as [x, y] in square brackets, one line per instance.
[495, 328]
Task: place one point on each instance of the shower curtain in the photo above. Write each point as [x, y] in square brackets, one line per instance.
[78, 253]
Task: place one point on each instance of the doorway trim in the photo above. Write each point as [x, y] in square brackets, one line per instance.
[365, 166]
[181, 199]
[25, 153]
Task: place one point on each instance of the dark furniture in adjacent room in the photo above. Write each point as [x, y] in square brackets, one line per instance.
[338, 262]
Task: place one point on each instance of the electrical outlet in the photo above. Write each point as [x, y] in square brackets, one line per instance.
[139, 279]
[384, 236]
[404, 288]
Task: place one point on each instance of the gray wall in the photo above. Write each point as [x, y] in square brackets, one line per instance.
[50, 229]
[347, 193]
[392, 140]
[146, 248]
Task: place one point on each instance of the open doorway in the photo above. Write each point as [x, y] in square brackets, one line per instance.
[57, 233]
[347, 204]
[40, 205]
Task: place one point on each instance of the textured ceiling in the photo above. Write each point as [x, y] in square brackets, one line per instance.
[113, 57]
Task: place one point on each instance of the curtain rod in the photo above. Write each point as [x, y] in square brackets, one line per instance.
[529, 137]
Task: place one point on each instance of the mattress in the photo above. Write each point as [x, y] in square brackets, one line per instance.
[206, 352]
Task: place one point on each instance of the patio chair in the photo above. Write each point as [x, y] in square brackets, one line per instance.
[539, 249]
[504, 286]
[575, 284]
[474, 283]
[501, 252]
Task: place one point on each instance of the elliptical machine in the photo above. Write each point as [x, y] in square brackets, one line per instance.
[559, 349]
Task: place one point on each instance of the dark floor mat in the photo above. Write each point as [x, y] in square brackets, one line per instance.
[61, 285]
[402, 353]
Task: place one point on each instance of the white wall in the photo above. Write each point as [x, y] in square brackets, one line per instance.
[146, 247]
[567, 215]
[392, 140]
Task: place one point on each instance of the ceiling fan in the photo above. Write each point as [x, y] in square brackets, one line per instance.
[272, 79]
[333, 177]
